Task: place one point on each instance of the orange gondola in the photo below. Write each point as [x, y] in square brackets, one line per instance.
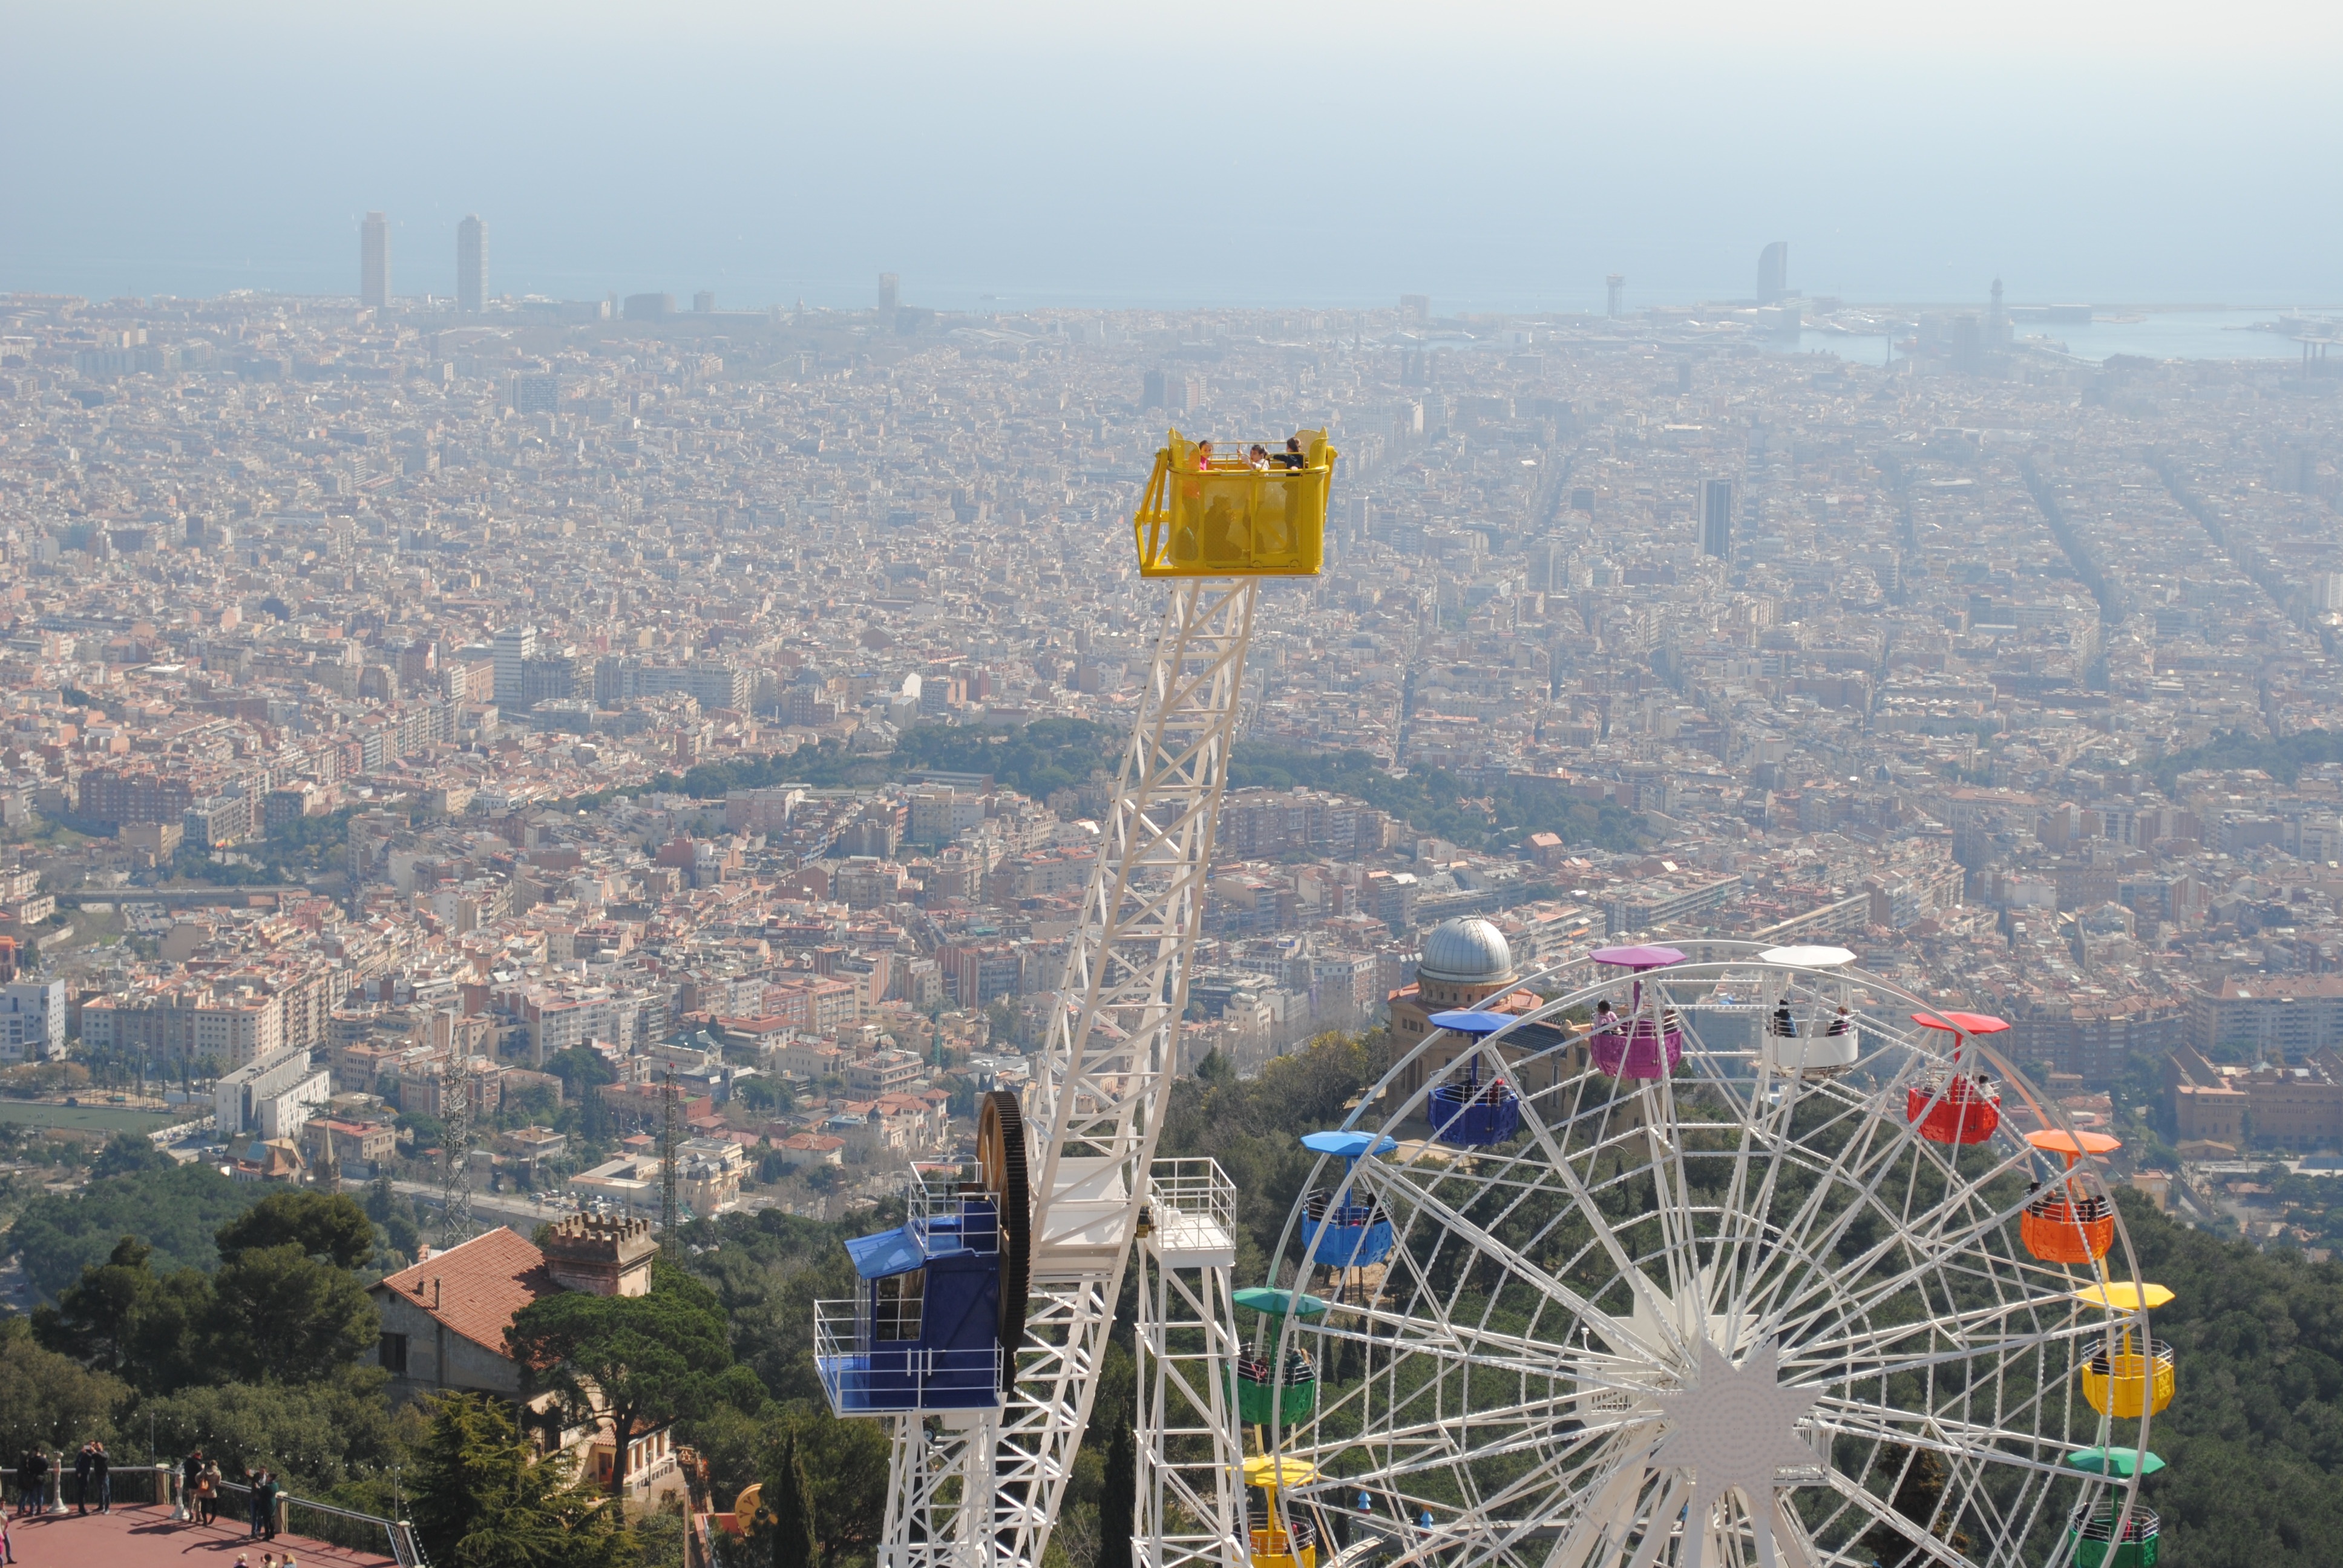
[2070, 1220]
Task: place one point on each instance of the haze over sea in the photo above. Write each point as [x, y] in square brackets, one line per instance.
[1500, 158]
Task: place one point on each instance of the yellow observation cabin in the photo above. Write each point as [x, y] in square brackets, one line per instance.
[1210, 512]
[1282, 1537]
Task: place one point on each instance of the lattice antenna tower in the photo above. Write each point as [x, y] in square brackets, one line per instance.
[456, 1186]
[666, 1156]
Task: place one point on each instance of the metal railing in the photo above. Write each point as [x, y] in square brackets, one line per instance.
[1196, 1188]
[938, 1206]
[342, 1526]
[131, 1485]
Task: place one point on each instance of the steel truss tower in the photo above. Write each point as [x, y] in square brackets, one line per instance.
[1190, 1455]
[983, 1489]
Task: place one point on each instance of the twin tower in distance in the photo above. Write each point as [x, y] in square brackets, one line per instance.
[471, 262]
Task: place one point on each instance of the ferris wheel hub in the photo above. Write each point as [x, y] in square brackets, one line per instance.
[1734, 1428]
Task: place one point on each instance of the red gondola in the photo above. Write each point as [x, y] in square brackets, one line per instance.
[1962, 1106]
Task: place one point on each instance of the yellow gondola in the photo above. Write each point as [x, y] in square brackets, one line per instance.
[1212, 515]
[2120, 1385]
[1281, 1539]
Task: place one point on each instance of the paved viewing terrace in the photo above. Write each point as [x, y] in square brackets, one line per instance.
[145, 1537]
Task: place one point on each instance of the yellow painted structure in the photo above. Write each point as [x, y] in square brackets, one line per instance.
[1219, 516]
[2125, 1296]
[1281, 1542]
[2123, 1384]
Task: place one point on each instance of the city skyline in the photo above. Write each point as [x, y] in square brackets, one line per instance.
[1492, 178]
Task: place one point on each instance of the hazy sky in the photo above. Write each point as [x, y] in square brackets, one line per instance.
[1492, 156]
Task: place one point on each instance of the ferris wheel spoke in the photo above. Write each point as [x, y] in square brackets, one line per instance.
[1609, 1514]
[1637, 1282]
[1763, 1127]
[1677, 1216]
[1659, 1522]
[1943, 1434]
[1509, 1430]
[1456, 1223]
[1934, 1243]
[1792, 1545]
[1819, 1353]
[1840, 1178]
[1936, 1551]
[1930, 1279]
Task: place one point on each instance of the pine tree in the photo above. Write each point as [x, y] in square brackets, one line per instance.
[483, 1500]
[788, 1496]
[1119, 1498]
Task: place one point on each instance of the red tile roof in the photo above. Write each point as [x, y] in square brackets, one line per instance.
[476, 1286]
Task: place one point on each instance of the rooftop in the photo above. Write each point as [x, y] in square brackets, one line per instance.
[476, 1286]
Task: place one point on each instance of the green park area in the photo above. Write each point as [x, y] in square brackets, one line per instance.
[83, 1118]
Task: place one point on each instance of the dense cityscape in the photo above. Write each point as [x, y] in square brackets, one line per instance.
[579, 764]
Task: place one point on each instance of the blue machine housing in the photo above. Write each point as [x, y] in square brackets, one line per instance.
[925, 1329]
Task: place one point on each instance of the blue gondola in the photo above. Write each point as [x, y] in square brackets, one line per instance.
[940, 1301]
[1346, 1229]
[1471, 1115]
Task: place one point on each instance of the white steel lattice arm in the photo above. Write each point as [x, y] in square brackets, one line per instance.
[1114, 1044]
[985, 1490]
[1113, 1036]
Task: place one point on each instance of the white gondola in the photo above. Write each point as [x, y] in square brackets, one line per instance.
[1810, 1025]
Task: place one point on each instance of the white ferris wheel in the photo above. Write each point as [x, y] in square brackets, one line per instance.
[1739, 1258]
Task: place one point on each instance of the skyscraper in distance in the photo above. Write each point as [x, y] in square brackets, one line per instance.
[1716, 518]
[471, 265]
[890, 290]
[1774, 271]
[1617, 285]
[374, 261]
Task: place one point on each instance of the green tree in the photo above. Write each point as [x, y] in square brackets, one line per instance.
[281, 1316]
[845, 1466]
[330, 1227]
[395, 1212]
[1119, 1498]
[317, 1435]
[481, 1500]
[641, 1362]
[128, 1154]
[789, 1499]
[48, 1398]
[121, 1317]
[583, 1072]
[175, 1211]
